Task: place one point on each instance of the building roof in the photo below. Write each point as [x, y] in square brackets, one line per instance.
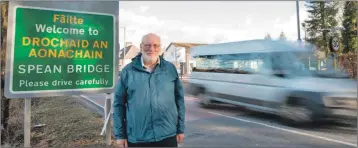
[131, 52]
[186, 45]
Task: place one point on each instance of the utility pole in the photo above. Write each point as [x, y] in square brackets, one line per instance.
[175, 54]
[124, 45]
[124, 39]
[298, 21]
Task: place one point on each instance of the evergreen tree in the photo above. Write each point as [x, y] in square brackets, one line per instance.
[322, 15]
[268, 36]
[350, 25]
[282, 36]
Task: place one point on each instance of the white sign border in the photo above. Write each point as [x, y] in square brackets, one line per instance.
[9, 93]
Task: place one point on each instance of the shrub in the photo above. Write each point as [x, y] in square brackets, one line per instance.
[348, 63]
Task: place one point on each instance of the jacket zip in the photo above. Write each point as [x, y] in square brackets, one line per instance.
[151, 104]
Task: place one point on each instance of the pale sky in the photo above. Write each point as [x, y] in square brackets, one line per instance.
[209, 21]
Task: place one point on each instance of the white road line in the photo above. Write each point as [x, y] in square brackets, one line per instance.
[190, 99]
[287, 130]
[91, 100]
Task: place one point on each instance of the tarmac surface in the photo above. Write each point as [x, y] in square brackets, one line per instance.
[231, 126]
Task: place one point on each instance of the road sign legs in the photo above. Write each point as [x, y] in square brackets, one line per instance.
[27, 122]
[107, 112]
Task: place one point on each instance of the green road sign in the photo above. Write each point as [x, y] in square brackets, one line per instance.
[57, 51]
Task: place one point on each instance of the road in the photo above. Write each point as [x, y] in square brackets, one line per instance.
[231, 126]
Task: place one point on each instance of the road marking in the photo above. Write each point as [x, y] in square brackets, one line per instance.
[186, 98]
[287, 130]
[91, 100]
[191, 99]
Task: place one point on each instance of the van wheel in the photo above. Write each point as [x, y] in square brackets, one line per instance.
[205, 102]
[297, 113]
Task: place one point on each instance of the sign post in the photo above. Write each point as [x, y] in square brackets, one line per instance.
[107, 112]
[27, 122]
[57, 50]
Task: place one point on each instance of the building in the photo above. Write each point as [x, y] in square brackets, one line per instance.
[179, 55]
[130, 52]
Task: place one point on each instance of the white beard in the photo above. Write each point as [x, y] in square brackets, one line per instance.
[150, 59]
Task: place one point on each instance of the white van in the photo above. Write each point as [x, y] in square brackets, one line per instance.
[271, 76]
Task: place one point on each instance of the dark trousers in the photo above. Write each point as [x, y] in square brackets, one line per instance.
[168, 142]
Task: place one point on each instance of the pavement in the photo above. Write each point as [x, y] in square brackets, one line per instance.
[232, 126]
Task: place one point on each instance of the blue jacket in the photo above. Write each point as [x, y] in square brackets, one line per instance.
[148, 106]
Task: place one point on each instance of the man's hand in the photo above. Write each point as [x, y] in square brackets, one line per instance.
[180, 138]
[122, 143]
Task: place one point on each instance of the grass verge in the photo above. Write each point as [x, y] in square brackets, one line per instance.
[63, 123]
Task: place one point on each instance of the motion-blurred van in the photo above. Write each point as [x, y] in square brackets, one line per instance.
[271, 76]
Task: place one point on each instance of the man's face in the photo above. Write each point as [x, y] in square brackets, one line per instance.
[150, 47]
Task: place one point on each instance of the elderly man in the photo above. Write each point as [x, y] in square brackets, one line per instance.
[149, 105]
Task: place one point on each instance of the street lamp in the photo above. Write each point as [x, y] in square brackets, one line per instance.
[331, 29]
[305, 29]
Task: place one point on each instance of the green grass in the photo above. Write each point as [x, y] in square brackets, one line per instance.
[67, 124]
